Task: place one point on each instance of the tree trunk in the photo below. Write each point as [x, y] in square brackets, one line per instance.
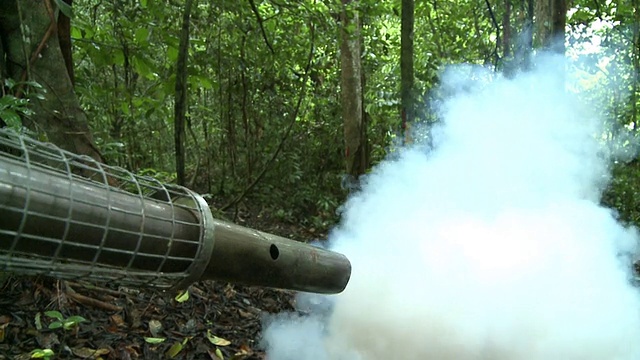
[551, 19]
[64, 36]
[635, 55]
[181, 95]
[558, 25]
[506, 26]
[406, 69]
[524, 47]
[351, 89]
[40, 59]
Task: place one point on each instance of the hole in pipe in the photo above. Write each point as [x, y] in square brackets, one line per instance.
[273, 250]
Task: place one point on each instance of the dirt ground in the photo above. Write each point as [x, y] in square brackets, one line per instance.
[218, 321]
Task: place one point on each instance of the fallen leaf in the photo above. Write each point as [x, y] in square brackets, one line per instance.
[117, 320]
[182, 296]
[219, 354]
[42, 354]
[37, 321]
[85, 352]
[153, 340]
[217, 340]
[174, 350]
[155, 327]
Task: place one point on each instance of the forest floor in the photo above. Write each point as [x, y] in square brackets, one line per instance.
[218, 321]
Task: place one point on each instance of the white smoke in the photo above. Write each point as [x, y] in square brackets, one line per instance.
[492, 245]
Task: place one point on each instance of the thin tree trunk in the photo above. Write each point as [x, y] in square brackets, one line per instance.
[635, 53]
[245, 112]
[231, 126]
[351, 89]
[526, 44]
[406, 69]
[559, 23]
[506, 29]
[181, 95]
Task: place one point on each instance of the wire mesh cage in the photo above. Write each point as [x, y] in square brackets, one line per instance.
[72, 217]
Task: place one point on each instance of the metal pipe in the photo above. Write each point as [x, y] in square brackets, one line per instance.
[252, 257]
[141, 232]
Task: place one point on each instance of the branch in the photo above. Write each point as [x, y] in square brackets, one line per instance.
[259, 18]
[495, 24]
[287, 132]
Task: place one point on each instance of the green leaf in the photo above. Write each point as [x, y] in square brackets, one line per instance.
[118, 57]
[143, 68]
[217, 340]
[142, 35]
[38, 321]
[76, 319]
[34, 84]
[182, 296]
[203, 82]
[174, 350]
[172, 54]
[124, 108]
[54, 314]
[76, 33]
[73, 321]
[11, 118]
[10, 83]
[65, 8]
[42, 354]
[55, 325]
[219, 354]
[152, 340]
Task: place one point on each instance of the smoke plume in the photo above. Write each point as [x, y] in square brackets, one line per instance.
[490, 244]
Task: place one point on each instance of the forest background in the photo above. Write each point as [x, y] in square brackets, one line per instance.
[278, 107]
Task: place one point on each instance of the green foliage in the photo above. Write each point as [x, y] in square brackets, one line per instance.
[13, 108]
[247, 71]
[64, 8]
[623, 193]
[45, 354]
[61, 322]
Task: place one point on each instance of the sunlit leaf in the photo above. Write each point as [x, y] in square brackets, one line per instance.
[217, 340]
[142, 35]
[76, 33]
[153, 340]
[219, 354]
[42, 353]
[182, 296]
[73, 321]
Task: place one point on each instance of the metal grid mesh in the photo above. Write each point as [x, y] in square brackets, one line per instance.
[70, 217]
